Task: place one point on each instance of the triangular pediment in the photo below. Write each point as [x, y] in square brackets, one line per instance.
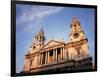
[52, 43]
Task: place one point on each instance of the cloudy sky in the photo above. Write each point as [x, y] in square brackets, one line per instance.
[56, 22]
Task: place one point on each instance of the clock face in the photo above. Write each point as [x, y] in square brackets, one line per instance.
[76, 35]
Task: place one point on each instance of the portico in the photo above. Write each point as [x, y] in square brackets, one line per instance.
[52, 55]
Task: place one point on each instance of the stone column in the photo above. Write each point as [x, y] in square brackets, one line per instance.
[46, 58]
[56, 54]
[41, 57]
[65, 54]
[40, 60]
[61, 53]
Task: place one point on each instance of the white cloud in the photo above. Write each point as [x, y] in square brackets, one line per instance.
[30, 13]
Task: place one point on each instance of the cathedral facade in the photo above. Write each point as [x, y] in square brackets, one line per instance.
[57, 55]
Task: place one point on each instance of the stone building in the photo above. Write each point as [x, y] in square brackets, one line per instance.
[58, 55]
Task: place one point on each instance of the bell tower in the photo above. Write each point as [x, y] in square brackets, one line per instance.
[78, 41]
[76, 33]
[38, 42]
[32, 58]
[40, 38]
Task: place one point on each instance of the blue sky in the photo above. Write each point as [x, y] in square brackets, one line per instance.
[56, 22]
